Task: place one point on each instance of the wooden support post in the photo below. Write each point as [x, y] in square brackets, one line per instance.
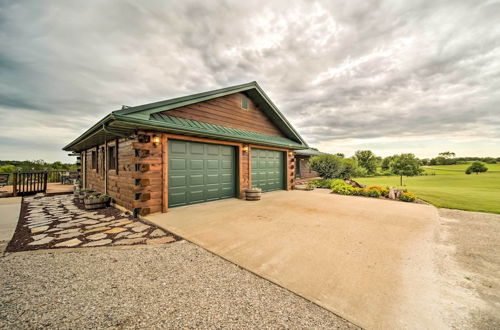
[14, 184]
[164, 155]
[45, 179]
[105, 167]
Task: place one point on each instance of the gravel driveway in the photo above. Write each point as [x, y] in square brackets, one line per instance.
[167, 286]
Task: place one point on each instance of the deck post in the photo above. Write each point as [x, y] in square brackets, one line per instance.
[14, 184]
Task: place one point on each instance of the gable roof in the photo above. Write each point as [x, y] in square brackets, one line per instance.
[148, 116]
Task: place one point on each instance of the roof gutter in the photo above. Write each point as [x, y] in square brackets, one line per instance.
[91, 131]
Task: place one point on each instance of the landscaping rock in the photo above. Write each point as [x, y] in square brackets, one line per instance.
[157, 233]
[96, 237]
[37, 237]
[98, 243]
[129, 241]
[39, 229]
[122, 234]
[137, 235]
[42, 241]
[115, 230]
[161, 240]
[69, 243]
[69, 235]
[93, 230]
[140, 228]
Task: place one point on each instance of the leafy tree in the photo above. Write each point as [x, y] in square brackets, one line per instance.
[405, 164]
[447, 154]
[7, 169]
[386, 163]
[332, 166]
[477, 167]
[341, 155]
[367, 160]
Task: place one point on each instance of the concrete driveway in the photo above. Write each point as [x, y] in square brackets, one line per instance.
[367, 260]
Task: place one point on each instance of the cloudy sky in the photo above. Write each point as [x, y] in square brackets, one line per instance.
[390, 76]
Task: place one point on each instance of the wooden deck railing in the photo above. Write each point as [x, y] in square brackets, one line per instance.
[25, 183]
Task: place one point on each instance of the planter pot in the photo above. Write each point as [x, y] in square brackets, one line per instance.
[83, 194]
[96, 203]
[253, 194]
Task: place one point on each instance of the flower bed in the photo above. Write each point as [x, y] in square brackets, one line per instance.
[342, 187]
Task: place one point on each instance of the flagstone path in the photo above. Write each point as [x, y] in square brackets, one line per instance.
[59, 222]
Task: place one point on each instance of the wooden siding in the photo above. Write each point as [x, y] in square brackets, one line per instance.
[141, 180]
[227, 111]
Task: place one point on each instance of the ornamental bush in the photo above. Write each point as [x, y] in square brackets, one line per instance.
[407, 197]
[332, 166]
[343, 189]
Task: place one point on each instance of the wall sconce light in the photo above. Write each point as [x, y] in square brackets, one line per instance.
[290, 153]
[156, 140]
[245, 149]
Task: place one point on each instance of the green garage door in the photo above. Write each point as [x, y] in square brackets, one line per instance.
[199, 172]
[267, 169]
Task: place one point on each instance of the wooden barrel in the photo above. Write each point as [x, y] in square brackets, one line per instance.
[253, 194]
[96, 203]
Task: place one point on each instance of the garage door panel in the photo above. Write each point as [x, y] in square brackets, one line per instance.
[177, 181]
[196, 180]
[196, 164]
[200, 172]
[176, 199]
[213, 164]
[177, 164]
[178, 147]
[267, 169]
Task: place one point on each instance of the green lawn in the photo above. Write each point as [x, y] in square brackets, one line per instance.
[450, 187]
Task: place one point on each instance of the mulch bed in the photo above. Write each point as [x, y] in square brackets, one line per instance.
[23, 236]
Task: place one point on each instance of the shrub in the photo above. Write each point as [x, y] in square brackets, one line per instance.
[373, 193]
[477, 167]
[407, 197]
[332, 166]
[468, 171]
[343, 189]
[357, 191]
[383, 191]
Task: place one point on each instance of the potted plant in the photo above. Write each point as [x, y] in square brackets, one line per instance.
[83, 193]
[96, 201]
[253, 194]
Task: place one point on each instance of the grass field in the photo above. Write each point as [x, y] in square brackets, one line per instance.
[450, 187]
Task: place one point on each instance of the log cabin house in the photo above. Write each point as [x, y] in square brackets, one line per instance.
[192, 149]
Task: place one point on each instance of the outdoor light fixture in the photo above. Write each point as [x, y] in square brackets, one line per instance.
[245, 148]
[156, 140]
[290, 154]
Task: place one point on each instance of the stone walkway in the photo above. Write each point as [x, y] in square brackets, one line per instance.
[57, 222]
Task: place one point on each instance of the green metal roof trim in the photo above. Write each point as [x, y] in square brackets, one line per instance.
[219, 131]
[308, 152]
[149, 117]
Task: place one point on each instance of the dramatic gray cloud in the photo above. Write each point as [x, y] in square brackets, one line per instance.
[393, 76]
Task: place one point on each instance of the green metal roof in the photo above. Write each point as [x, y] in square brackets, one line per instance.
[235, 134]
[308, 152]
[149, 117]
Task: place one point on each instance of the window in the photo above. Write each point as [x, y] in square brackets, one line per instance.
[94, 159]
[112, 158]
[244, 102]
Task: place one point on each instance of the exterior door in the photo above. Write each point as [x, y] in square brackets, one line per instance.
[200, 172]
[268, 169]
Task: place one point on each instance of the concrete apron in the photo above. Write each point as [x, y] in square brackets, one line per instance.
[367, 260]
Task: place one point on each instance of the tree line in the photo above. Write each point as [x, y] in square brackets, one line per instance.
[366, 163]
[11, 166]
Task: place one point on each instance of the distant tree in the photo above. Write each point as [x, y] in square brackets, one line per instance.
[332, 166]
[424, 161]
[386, 163]
[433, 162]
[341, 155]
[367, 160]
[447, 154]
[405, 164]
[7, 169]
[477, 167]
